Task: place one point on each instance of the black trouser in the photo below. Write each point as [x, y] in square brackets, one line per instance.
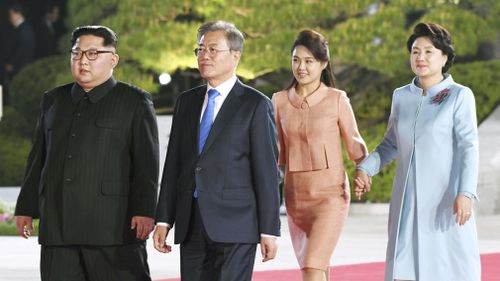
[205, 260]
[91, 263]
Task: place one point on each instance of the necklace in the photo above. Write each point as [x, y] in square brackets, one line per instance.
[305, 96]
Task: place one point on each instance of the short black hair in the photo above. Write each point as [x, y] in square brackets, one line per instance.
[109, 36]
[440, 38]
[49, 7]
[17, 7]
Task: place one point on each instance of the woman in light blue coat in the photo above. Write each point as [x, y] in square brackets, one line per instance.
[432, 131]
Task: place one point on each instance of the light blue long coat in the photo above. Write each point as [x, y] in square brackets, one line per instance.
[436, 145]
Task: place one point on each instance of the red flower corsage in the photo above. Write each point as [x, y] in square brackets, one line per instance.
[441, 96]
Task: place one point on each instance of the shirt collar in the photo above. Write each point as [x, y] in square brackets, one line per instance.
[95, 94]
[18, 22]
[225, 87]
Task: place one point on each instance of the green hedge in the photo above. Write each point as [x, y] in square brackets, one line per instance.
[15, 124]
[483, 77]
[32, 81]
[13, 153]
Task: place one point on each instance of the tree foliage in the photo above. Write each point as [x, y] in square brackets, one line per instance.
[161, 34]
[483, 78]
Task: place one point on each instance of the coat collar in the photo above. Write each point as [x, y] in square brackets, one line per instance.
[434, 90]
[97, 93]
[296, 100]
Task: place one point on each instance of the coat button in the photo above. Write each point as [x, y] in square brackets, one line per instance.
[68, 179]
[198, 169]
[70, 156]
[73, 135]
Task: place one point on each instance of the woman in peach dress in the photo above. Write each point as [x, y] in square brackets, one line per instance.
[312, 117]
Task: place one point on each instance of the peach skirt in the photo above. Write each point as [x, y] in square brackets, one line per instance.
[316, 211]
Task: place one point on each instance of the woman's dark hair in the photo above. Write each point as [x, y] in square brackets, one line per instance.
[317, 45]
[440, 38]
[109, 36]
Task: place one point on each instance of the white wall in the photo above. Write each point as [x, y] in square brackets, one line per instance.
[164, 124]
[489, 165]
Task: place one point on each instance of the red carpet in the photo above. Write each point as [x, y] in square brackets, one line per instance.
[490, 264]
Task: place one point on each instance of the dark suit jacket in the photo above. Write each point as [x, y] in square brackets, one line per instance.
[93, 166]
[236, 173]
[46, 41]
[23, 50]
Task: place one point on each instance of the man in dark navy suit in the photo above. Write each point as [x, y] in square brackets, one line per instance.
[23, 46]
[45, 32]
[92, 174]
[220, 181]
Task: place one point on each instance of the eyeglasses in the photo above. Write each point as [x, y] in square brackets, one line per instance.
[91, 54]
[210, 50]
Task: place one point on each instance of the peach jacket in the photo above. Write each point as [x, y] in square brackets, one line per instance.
[310, 130]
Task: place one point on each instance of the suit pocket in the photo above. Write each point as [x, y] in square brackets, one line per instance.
[114, 188]
[109, 123]
[238, 194]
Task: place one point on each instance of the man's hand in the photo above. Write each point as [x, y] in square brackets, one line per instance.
[268, 248]
[160, 239]
[143, 226]
[362, 183]
[24, 226]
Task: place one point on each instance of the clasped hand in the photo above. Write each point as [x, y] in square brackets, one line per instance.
[362, 183]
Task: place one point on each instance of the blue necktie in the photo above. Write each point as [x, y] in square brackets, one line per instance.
[207, 119]
[206, 124]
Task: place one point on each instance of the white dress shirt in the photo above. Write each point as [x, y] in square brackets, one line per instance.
[223, 90]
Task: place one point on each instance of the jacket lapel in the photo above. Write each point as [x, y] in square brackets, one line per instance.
[228, 109]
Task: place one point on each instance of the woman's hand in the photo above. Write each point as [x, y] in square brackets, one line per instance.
[462, 209]
[362, 183]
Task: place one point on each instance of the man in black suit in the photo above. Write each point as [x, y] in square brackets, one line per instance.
[92, 174]
[45, 34]
[22, 50]
[220, 181]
